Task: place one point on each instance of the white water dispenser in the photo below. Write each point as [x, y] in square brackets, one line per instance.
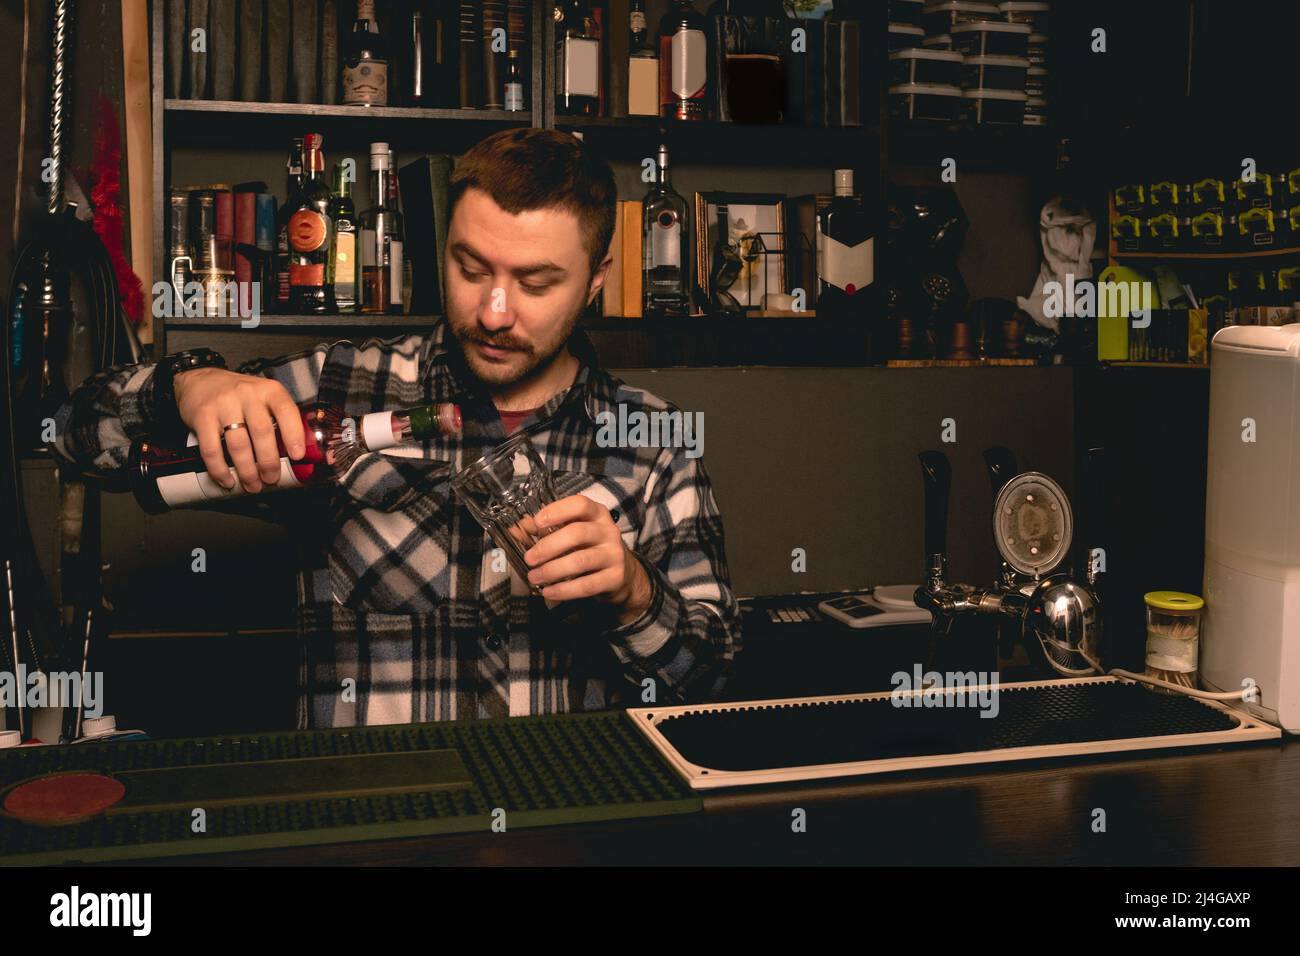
[1252, 520]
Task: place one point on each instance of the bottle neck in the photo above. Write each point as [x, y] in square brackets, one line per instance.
[314, 166]
[379, 187]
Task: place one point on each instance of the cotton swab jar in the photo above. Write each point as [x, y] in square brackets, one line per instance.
[1173, 636]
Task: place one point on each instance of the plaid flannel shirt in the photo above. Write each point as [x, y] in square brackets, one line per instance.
[406, 614]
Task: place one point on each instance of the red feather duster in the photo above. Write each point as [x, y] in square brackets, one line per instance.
[106, 174]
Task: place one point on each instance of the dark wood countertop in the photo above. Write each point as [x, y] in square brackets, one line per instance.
[1223, 806]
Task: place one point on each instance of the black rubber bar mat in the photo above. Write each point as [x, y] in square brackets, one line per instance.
[567, 768]
[757, 737]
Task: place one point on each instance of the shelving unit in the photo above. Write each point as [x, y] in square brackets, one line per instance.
[193, 137]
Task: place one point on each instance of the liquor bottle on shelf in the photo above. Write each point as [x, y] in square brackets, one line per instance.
[342, 274]
[399, 265]
[577, 60]
[311, 237]
[683, 63]
[365, 63]
[638, 36]
[845, 253]
[179, 252]
[513, 95]
[292, 185]
[664, 246]
[163, 476]
[422, 38]
[378, 226]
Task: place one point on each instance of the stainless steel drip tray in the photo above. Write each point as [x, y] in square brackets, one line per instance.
[808, 738]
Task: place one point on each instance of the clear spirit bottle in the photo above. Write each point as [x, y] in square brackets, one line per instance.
[664, 246]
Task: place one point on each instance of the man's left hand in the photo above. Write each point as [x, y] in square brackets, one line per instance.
[586, 547]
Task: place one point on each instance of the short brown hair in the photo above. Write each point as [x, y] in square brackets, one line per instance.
[526, 169]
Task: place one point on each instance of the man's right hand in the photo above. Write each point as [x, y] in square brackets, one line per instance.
[210, 398]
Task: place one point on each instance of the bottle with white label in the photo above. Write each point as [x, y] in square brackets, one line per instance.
[514, 84]
[664, 246]
[683, 63]
[378, 226]
[163, 477]
[577, 60]
[846, 253]
[399, 266]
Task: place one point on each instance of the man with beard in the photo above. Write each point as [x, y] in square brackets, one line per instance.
[409, 613]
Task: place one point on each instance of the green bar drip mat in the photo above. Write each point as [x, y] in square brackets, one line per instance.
[737, 744]
[333, 786]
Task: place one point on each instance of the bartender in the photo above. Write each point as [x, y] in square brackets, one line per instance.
[411, 617]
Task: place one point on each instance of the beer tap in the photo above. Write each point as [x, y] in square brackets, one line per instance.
[1033, 529]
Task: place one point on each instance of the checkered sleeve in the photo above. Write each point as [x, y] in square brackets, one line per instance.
[94, 428]
[688, 638]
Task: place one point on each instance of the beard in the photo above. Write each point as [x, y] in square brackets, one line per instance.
[525, 360]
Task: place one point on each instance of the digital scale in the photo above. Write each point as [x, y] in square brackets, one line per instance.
[885, 606]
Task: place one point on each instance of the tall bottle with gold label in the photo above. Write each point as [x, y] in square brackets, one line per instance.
[311, 236]
[344, 270]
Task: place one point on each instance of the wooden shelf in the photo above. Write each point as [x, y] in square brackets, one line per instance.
[226, 123]
[740, 144]
[245, 108]
[352, 320]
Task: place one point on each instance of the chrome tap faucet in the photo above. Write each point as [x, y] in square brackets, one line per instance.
[1033, 530]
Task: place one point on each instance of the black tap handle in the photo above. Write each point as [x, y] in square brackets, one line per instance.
[937, 473]
[1090, 530]
[1001, 463]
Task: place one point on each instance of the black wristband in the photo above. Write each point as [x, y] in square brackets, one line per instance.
[163, 400]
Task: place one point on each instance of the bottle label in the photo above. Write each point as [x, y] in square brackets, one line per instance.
[514, 96]
[665, 240]
[196, 487]
[375, 249]
[636, 21]
[307, 274]
[848, 268]
[345, 260]
[367, 82]
[307, 230]
[581, 66]
[395, 271]
[689, 70]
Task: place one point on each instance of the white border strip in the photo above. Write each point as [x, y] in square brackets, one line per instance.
[647, 719]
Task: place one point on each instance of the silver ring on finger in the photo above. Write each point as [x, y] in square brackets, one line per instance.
[233, 426]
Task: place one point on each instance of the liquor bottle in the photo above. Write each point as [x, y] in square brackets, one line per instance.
[311, 237]
[365, 63]
[163, 477]
[664, 244]
[638, 36]
[683, 63]
[342, 274]
[845, 253]
[399, 266]
[420, 40]
[514, 84]
[293, 183]
[377, 227]
[577, 60]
